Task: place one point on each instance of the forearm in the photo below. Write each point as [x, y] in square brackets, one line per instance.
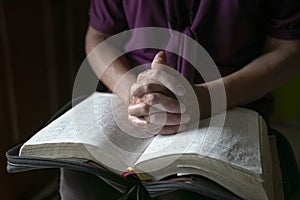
[277, 65]
[111, 74]
[264, 74]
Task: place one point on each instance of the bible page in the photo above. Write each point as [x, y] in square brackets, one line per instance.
[92, 124]
[237, 143]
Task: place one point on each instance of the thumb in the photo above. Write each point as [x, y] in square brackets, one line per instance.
[160, 58]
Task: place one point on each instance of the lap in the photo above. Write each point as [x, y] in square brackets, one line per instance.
[77, 185]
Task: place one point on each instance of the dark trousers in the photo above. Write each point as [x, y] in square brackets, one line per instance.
[288, 165]
[77, 185]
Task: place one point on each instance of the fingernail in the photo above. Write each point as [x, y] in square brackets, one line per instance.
[180, 90]
[182, 107]
[141, 123]
[185, 118]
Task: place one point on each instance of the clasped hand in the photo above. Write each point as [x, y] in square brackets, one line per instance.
[153, 104]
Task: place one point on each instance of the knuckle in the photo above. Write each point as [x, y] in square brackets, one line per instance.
[148, 87]
[145, 108]
[150, 98]
[136, 89]
[130, 118]
[130, 112]
[139, 77]
[133, 88]
[153, 118]
[156, 72]
[143, 75]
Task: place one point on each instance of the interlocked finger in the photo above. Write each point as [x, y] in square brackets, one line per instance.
[167, 118]
[168, 104]
[140, 89]
[155, 129]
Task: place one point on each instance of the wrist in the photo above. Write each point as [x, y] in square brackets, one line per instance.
[122, 89]
[211, 98]
[202, 94]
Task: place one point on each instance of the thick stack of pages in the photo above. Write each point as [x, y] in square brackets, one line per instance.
[97, 129]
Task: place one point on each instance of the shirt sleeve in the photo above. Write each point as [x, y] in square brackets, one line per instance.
[107, 16]
[283, 19]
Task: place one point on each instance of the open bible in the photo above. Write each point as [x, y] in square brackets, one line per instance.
[97, 129]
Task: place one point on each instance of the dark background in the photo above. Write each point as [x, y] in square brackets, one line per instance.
[41, 49]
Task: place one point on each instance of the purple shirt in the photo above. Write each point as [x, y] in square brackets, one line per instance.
[232, 31]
